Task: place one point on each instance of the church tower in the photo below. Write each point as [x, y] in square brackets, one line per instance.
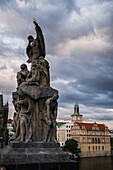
[76, 116]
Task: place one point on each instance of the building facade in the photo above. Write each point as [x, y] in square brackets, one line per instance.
[93, 138]
[63, 132]
[3, 112]
[10, 127]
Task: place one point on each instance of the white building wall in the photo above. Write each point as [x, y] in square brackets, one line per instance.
[10, 128]
[64, 133]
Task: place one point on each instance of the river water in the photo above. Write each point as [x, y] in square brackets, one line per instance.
[99, 163]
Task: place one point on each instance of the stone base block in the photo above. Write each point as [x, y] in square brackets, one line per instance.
[39, 155]
[70, 165]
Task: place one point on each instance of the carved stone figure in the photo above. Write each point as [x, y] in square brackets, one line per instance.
[35, 101]
[51, 106]
[25, 116]
[36, 47]
[21, 75]
[44, 72]
[16, 120]
[34, 74]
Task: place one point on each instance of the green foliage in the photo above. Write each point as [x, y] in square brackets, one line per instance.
[71, 145]
[72, 157]
[2, 129]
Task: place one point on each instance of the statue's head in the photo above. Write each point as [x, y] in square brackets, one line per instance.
[23, 66]
[55, 97]
[30, 38]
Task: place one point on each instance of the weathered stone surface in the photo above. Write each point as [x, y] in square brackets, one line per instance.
[34, 152]
[70, 165]
[37, 92]
[17, 144]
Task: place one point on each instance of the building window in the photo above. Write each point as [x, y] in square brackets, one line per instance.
[89, 148]
[84, 139]
[96, 148]
[95, 140]
[75, 133]
[67, 130]
[73, 118]
[102, 140]
[93, 148]
[89, 140]
[89, 132]
[66, 126]
[83, 132]
[98, 140]
[62, 144]
[69, 126]
[92, 140]
[99, 148]
[102, 147]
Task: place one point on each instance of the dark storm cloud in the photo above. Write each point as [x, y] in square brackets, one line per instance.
[92, 84]
[55, 20]
[105, 26]
[6, 3]
[6, 51]
[49, 17]
[102, 1]
[99, 117]
[79, 47]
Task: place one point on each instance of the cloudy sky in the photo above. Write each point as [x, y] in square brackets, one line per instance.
[79, 47]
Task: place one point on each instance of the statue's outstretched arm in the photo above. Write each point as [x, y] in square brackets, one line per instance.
[40, 38]
[37, 28]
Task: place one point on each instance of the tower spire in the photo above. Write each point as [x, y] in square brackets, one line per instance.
[76, 116]
[76, 107]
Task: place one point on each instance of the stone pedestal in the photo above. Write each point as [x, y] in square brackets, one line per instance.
[35, 155]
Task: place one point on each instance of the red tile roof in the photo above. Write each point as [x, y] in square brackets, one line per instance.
[101, 127]
[89, 126]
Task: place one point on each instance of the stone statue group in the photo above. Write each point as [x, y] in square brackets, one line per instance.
[35, 101]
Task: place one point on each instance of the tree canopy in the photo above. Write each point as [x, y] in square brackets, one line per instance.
[71, 145]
